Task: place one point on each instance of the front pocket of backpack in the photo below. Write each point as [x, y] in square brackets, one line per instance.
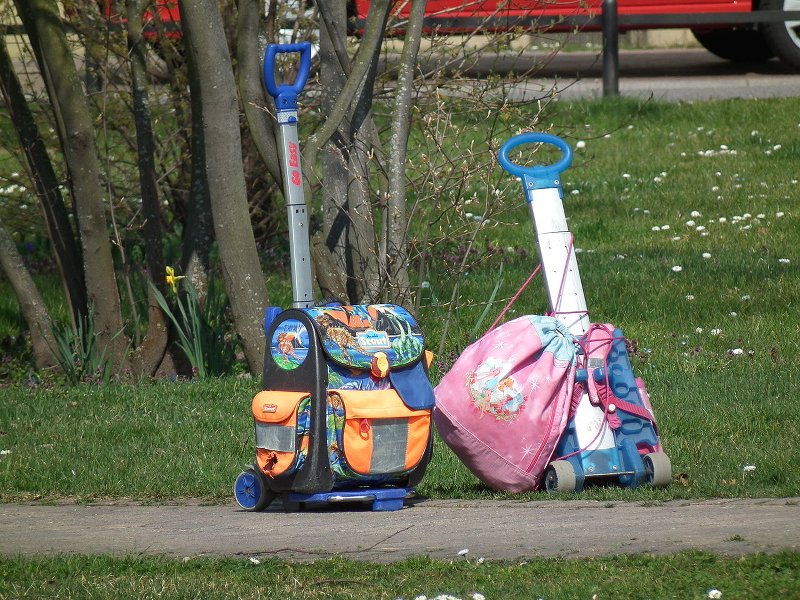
[381, 435]
[282, 430]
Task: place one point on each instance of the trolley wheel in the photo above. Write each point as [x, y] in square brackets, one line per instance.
[657, 469]
[251, 491]
[560, 477]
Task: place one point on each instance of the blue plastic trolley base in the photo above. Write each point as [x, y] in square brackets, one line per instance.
[382, 499]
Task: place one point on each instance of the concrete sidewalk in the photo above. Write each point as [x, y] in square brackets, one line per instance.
[436, 528]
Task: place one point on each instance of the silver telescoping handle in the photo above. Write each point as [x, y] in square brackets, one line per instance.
[299, 245]
[285, 96]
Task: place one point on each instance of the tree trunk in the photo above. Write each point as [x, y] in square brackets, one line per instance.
[149, 356]
[251, 90]
[65, 247]
[335, 164]
[199, 226]
[241, 269]
[30, 301]
[396, 223]
[259, 133]
[348, 225]
[76, 131]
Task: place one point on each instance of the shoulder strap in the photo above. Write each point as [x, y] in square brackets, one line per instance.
[600, 392]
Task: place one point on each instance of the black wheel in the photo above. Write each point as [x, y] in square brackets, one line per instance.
[783, 37]
[560, 477]
[251, 491]
[737, 45]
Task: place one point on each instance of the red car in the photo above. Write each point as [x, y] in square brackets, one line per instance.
[739, 30]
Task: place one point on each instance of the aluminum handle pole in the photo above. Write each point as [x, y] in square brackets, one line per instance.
[285, 96]
[299, 245]
[559, 265]
[542, 186]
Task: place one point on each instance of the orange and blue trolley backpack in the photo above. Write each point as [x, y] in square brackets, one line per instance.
[345, 409]
[344, 413]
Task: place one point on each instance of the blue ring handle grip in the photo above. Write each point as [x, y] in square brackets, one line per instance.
[536, 172]
[285, 94]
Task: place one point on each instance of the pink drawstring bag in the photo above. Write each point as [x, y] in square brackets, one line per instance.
[505, 403]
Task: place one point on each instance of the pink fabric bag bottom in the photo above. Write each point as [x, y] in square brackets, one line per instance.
[505, 403]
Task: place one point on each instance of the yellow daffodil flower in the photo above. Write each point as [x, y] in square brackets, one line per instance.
[172, 279]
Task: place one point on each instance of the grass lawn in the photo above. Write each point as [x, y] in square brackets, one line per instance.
[687, 576]
[687, 229]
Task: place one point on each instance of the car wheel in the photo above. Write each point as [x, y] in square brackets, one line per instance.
[783, 37]
[737, 45]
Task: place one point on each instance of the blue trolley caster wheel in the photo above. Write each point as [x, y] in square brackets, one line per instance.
[251, 491]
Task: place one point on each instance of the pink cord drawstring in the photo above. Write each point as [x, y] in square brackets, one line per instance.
[514, 298]
[555, 311]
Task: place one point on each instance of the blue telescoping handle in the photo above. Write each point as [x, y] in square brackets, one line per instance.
[285, 94]
[540, 176]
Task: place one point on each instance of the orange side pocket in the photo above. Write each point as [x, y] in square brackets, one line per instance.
[381, 434]
[281, 422]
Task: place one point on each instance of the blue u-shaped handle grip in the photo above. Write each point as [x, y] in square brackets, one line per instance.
[539, 176]
[285, 94]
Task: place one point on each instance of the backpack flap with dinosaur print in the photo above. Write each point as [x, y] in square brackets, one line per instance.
[375, 346]
[372, 337]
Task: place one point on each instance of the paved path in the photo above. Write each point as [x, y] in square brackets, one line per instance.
[665, 74]
[440, 529]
